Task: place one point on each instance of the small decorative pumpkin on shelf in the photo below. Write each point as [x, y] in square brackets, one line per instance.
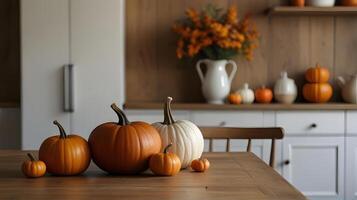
[263, 95]
[33, 168]
[246, 94]
[317, 90]
[165, 164]
[123, 147]
[317, 74]
[65, 154]
[234, 98]
[200, 165]
[186, 137]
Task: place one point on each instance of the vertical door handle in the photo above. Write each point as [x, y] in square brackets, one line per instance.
[68, 88]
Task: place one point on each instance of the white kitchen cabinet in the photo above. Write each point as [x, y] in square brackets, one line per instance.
[311, 122]
[351, 122]
[86, 33]
[228, 118]
[351, 168]
[152, 116]
[315, 165]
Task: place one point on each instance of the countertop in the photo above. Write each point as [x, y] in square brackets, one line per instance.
[255, 106]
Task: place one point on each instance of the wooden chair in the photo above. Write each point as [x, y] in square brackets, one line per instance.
[244, 133]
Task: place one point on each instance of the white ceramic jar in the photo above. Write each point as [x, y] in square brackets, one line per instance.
[285, 90]
[246, 94]
[320, 3]
[349, 89]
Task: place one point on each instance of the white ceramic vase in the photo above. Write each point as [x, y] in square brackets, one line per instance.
[216, 84]
[285, 90]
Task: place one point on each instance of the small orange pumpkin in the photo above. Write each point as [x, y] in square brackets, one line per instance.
[234, 98]
[165, 164]
[65, 154]
[317, 92]
[200, 165]
[349, 2]
[33, 168]
[317, 74]
[263, 95]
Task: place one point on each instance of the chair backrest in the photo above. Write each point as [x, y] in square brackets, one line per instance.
[244, 133]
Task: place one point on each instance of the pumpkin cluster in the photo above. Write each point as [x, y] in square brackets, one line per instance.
[121, 147]
[317, 90]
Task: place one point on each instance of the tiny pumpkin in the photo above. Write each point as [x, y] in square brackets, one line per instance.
[234, 98]
[317, 74]
[64, 154]
[317, 92]
[263, 95]
[200, 165]
[33, 168]
[165, 164]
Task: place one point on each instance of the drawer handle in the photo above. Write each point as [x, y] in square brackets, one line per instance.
[223, 123]
[313, 125]
[286, 162]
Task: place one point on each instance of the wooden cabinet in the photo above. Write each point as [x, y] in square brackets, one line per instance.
[315, 165]
[351, 168]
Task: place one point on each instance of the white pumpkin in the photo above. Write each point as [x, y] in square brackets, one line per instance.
[246, 94]
[186, 137]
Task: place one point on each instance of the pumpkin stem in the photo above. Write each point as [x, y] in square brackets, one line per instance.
[168, 119]
[31, 157]
[123, 120]
[61, 129]
[167, 147]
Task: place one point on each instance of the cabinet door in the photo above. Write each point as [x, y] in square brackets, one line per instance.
[44, 50]
[351, 168]
[97, 29]
[316, 166]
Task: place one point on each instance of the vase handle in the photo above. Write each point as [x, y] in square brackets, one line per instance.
[199, 71]
[234, 70]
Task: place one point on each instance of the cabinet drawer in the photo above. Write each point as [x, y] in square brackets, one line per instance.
[311, 122]
[152, 116]
[228, 118]
[351, 122]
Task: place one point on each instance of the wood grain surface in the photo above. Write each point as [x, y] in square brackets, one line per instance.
[231, 176]
[288, 42]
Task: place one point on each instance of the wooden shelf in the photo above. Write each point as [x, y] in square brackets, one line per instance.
[309, 10]
[273, 106]
[9, 105]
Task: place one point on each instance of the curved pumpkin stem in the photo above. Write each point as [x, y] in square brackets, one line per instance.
[167, 147]
[31, 157]
[123, 120]
[168, 119]
[61, 129]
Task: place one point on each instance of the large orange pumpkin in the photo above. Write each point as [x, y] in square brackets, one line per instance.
[65, 154]
[317, 74]
[123, 147]
[317, 92]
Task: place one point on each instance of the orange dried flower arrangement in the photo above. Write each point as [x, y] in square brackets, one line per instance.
[210, 34]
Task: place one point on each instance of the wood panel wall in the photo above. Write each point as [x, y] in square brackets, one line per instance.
[291, 43]
[9, 51]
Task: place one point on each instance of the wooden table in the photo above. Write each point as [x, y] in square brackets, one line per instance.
[231, 176]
